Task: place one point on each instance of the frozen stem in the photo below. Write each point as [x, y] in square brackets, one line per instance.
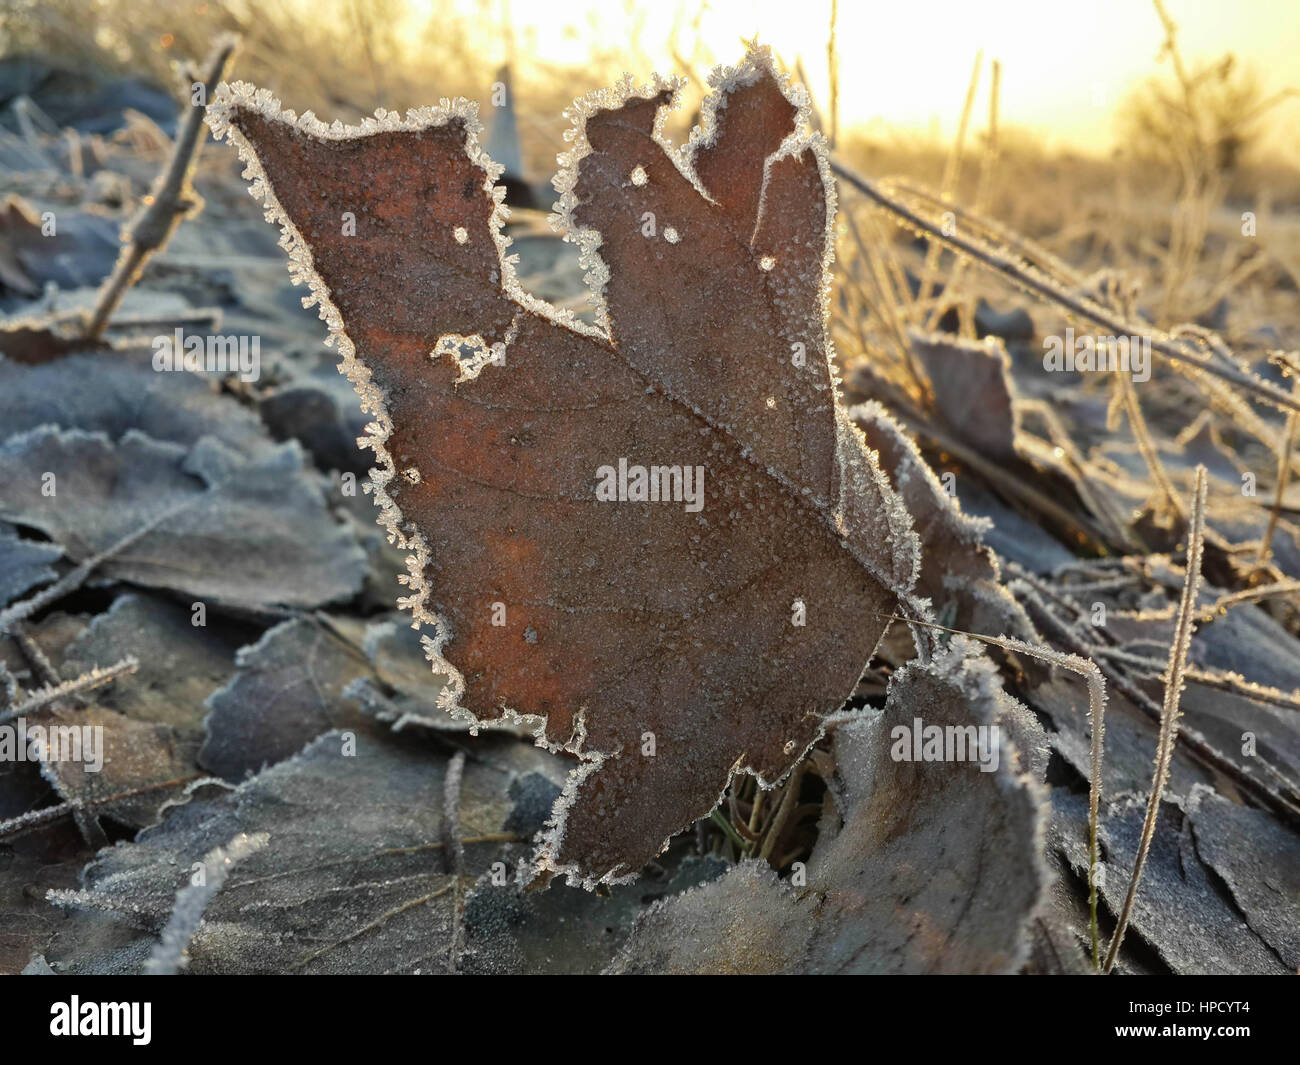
[1174, 679]
[171, 200]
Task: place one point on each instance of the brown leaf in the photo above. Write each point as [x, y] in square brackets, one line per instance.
[959, 575]
[973, 392]
[621, 619]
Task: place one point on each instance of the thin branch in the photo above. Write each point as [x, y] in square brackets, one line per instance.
[171, 200]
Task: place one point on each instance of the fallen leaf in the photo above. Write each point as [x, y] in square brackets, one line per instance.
[972, 388]
[180, 663]
[24, 563]
[1180, 910]
[259, 526]
[564, 930]
[1259, 859]
[670, 621]
[936, 868]
[118, 391]
[351, 880]
[145, 763]
[289, 689]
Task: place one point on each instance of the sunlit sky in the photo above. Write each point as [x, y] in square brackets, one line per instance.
[1065, 63]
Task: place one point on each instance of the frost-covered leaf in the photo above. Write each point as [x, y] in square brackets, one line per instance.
[351, 880]
[959, 575]
[972, 390]
[1259, 859]
[1249, 642]
[1181, 909]
[1260, 739]
[252, 533]
[289, 689]
[564, 930]
[748, 922]
[113, 392]
[937, 866]
[151, 719]
[169, 955]
[1131, 738]
[29, 865]
[24, 563]
[180, 663]
[622, 620]
[146, 763]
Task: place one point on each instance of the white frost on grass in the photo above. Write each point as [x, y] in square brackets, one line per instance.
[168, 954]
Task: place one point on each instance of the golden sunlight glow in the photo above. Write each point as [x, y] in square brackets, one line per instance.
[905, 65]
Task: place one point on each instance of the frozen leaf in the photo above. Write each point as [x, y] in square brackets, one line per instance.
[972, 389]
[936, 868]
[565, 930]
[118, 391]
[938, 864]
[746, 923]
[28, 866]
[959, 575]
[27, 921]
[253, 534]
[1259, 859]
[23, 563]
[1224, 721]
[80, 253]
[495, 414]
[1250, 642]
[289, 689]
[352, 879]
[140, 761]
[168, 956]
[1131, 738]
[1181, 910]
[151, 720]
[180, 663]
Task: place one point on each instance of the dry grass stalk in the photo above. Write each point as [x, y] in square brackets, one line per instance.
[1174, 679]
